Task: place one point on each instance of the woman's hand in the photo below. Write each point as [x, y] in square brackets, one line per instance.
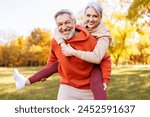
[68, 51]
[58, 37]
[105, 86]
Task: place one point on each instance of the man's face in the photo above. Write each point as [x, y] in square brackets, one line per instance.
[65, 25]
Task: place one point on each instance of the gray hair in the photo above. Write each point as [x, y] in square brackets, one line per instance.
[65, 11]
[97, 6]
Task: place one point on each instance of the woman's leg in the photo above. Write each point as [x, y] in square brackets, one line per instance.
[96, 84]
[44, 73]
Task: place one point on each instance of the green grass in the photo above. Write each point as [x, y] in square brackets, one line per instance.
[37, 91]
[125, 84]
[129, 84]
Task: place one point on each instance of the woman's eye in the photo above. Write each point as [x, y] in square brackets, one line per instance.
[95, 16]
[88, 15]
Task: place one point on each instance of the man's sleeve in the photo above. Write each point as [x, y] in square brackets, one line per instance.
[106, 68]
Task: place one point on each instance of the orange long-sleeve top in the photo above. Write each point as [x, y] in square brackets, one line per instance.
[105, 67]
[74, 71]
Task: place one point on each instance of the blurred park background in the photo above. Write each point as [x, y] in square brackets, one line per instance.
[129, 22]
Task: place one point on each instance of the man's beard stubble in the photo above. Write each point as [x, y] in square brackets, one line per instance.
[70, 35]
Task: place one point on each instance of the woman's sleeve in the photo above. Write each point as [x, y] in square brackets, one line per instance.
[97, 54]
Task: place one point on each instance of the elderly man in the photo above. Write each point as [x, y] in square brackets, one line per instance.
[75, 73]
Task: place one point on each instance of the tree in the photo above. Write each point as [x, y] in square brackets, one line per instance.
[18, 51]
[4, 56]
[122, 32]
[139, 9]
[12, 54]
[144, 46]
[37, 48]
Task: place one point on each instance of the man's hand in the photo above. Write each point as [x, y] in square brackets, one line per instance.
[68, 51]
[105, 86]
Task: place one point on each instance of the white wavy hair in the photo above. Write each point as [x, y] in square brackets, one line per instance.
[63, 11]
[97, 6]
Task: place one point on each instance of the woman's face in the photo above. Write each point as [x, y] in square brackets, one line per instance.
[92, 18]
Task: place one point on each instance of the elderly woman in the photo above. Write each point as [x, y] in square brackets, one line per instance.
[93, 23]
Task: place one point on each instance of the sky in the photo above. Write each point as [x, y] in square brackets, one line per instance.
[22, 16]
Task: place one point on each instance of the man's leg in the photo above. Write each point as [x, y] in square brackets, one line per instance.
[67, 92]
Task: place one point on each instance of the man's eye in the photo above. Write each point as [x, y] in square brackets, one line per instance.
[68, 22]
[59, 24]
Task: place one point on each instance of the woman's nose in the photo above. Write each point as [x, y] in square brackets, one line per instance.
[91, 19]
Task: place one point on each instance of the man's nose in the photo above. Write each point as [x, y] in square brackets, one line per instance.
[64, 27]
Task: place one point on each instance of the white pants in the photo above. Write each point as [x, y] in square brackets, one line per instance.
[67, 92]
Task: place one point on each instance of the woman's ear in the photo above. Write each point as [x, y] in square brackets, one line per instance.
[101, 15]
[74, 20]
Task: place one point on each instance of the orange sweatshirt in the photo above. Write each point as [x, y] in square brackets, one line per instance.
[105, 67]
[74, 71]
